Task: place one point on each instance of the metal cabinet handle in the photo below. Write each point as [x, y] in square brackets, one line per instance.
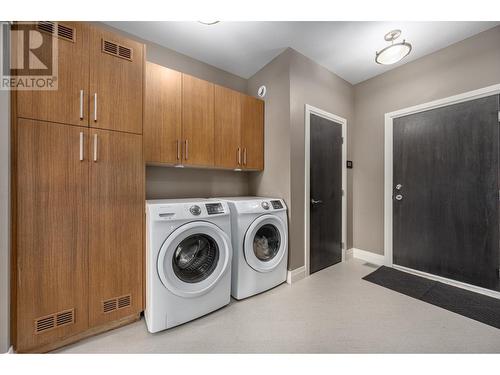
[81, 146]
[245, 156]
[314, 201]
[95, 107]
[81, 104]
[178, 149]
[186, 149]
[95, 147]
[239, 155]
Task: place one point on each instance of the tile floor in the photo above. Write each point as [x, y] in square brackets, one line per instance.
[333, 311]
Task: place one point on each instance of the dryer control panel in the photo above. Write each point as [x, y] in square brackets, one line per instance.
[214, 208]
[277, 205]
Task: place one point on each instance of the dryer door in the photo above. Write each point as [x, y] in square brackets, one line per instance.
[265, 243]
[193, 258]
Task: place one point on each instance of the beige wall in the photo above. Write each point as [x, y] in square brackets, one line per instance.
[292, 80]
[467, 65]
[168, 182]
[4, 217]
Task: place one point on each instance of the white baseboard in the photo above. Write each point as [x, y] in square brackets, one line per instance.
[368, 256]
[349, 254]
[295, 275]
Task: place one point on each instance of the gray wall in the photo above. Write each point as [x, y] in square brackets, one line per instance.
[4, 217]
[312, 84]
[464, 66]
[167, 182]
[293, 80]
[274, 181]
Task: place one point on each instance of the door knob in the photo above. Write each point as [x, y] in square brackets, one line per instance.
[314, 201]
[399, 197]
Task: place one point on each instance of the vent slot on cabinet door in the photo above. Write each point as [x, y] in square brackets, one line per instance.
[49, 322]
[62, 31]
[116, 303]
[117, 50]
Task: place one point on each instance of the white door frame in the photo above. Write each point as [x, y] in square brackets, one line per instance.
[343, 122]
[388, 189]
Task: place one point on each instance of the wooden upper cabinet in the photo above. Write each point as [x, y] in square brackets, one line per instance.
[68, 103]
[116, 224]
[51, 233]
[162, 115]
[228, 152]
[116, 82]
[252, 132]
[197, 121]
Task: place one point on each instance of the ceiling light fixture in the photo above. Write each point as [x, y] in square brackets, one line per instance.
[395, 52]
[208, 22]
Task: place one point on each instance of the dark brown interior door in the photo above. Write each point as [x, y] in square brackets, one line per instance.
[445, 199]
[326, 193]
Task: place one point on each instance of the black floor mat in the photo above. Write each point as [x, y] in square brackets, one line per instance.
[472, 305]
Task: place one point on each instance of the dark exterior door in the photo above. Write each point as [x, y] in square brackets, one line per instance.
[326, 193]
[445, 211]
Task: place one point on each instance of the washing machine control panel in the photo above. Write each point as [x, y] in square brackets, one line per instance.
[214, 208]
[195, 210]
[265, 205]
[277, 205]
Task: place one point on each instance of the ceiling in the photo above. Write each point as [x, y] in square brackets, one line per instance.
[345, 48]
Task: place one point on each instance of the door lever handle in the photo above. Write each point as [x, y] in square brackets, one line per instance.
[314, 201]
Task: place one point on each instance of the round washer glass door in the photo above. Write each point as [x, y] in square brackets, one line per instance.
[265, 243]
[193, 258]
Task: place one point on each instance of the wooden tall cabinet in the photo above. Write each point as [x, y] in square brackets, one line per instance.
[116, 203]
[69, 103]
[78, 187]
[116, 82]
[52, 232]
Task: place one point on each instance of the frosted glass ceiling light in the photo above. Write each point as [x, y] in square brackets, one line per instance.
[208, 22]
[395, 52]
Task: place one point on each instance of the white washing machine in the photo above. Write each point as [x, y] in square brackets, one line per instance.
[188, 260]
[260, 244]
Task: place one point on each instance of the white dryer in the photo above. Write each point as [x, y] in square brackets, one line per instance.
[188, 260]
[260, 244]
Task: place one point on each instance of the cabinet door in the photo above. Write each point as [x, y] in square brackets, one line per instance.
[162, 115]
[197, 121]
[252, 132]
[52, 230]
[116, 82]
[67, 104]
[228, 152]
[116, 222]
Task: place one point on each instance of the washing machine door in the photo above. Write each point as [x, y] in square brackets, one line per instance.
[193, 258]
[265, 243]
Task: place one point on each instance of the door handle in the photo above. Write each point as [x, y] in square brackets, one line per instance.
[81, 104]
[186, 149]
[398, 197]
[95, 147]
[314, 201]
[239, 155]
[178, 149]
[95, 107]
[245, 156]
[81, 146]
